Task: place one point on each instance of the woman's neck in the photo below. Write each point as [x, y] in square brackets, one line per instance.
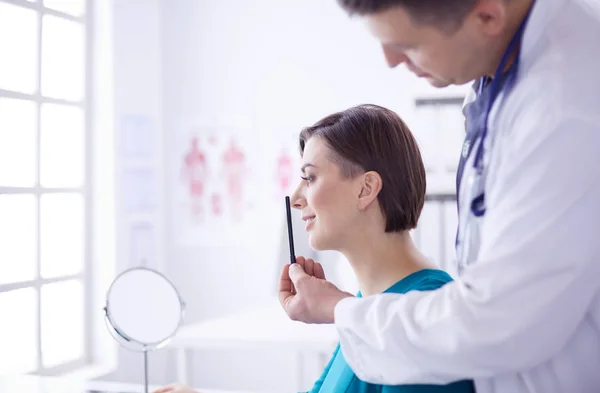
[381, 261]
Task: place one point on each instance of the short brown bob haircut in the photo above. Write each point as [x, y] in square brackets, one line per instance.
[372, 138]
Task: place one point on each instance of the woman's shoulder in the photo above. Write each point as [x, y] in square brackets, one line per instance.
[422, 280]
[465, 386]
[358, 386]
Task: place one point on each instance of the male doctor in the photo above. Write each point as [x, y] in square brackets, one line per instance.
[524, 315]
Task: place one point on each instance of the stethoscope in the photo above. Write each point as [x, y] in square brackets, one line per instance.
[496, 87]
[503, 80]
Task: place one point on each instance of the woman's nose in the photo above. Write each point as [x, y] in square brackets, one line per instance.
[297, 199]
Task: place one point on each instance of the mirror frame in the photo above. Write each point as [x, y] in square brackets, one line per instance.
[128, 341]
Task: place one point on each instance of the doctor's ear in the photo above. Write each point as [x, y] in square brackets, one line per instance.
[371, 184]
[490, 17]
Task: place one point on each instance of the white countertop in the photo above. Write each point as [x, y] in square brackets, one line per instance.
[37, 384]
[265, 326]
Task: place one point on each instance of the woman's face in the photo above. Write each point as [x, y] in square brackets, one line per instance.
[327, 200]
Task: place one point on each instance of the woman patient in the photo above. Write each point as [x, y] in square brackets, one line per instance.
[362, 190]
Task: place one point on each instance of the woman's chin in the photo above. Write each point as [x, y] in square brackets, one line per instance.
[315, 243]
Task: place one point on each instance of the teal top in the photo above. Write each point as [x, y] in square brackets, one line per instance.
[338, 377]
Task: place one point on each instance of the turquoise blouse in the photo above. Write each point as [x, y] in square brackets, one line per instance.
[338, 377]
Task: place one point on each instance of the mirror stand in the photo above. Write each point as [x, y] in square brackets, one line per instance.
[143, 312]
[145, 370]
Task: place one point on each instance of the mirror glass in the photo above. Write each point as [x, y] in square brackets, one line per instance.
[143, 309]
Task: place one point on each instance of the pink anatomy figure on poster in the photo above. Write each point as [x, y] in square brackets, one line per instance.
[234, 164]
[195, 174]
[216, 205]
[285, 168]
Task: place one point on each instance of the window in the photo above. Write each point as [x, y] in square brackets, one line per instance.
[45, 199]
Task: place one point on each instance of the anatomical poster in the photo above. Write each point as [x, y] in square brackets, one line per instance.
[218, 185]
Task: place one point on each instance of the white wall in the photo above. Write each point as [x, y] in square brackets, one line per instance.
[134, 28]
[284, 65]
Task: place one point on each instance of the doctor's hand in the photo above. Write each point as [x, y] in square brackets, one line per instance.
[304, 293]
[175, 388]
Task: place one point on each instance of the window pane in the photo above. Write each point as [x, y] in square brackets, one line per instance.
[62, 322]
[17, 142]
[62, 146]
[62, 234]
[18, 48]
[63, 58]
[18, 331]
[73, 7]
[17, 238]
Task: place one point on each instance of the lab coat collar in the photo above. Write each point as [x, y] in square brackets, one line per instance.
[541, 14]
[539, 20]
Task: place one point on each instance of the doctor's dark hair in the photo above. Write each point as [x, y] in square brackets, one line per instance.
[441, 12]
[372, 138]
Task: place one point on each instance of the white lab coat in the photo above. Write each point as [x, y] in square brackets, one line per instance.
[525, 317]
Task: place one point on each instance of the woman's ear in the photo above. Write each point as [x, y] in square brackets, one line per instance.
[371, 186]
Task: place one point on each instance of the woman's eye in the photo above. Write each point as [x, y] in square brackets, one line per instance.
[307, 179]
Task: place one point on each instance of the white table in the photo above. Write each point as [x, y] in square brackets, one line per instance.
[265, 326]
[37, 384]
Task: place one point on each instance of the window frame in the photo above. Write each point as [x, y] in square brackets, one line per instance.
[86, 190]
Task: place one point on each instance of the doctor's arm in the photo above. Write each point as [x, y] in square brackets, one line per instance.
[535, 277]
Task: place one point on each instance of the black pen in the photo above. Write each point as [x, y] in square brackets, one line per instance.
[288, 210]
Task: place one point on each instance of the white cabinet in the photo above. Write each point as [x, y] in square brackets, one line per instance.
[436, 232]
[439, 128]
[427, 235]
[452, 132]
[450, 223]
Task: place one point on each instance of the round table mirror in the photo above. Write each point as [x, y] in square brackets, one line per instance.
[143, 311]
